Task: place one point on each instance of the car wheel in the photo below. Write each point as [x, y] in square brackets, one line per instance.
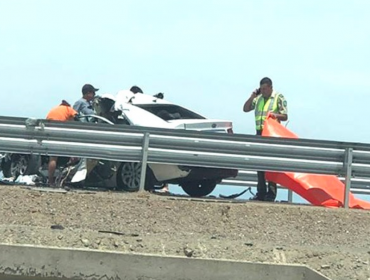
[128, 177]
[199, 188]
[21, 165]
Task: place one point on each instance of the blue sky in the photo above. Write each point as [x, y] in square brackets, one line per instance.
[205, 55]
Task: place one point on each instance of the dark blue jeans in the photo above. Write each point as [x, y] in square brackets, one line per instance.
[265, 192]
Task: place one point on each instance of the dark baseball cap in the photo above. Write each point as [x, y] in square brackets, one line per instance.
[88, 88]
[136, 89]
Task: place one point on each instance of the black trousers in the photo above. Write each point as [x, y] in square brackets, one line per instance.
[265, 191]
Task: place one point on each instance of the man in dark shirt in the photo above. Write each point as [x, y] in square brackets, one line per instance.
[84, 105]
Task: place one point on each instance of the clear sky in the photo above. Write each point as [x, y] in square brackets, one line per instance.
[205, 55]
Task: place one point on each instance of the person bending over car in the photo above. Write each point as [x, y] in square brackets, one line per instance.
[63, 112]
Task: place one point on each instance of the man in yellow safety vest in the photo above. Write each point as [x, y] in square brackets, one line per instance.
[262, 101]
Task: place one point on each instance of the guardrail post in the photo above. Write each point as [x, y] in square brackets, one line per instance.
[144, 161]
[348, 174]
[290, 196]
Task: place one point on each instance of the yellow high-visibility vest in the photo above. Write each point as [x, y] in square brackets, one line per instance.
[262, 108]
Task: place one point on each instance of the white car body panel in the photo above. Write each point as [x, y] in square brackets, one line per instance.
[164, 172]
[140, 117]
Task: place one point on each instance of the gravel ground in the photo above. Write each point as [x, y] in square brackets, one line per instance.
[335, 242]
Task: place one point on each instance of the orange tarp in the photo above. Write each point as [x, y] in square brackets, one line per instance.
[321, 190]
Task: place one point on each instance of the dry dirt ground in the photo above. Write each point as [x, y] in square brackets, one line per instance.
[335, 242]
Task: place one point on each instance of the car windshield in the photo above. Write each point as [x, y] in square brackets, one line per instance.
[169, 111]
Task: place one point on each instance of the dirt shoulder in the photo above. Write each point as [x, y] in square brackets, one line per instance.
[335, 242]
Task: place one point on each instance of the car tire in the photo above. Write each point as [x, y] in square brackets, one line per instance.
[128, 177]
[199, 188]
[21, 165]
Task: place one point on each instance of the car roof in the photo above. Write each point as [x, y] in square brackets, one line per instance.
[136, 109]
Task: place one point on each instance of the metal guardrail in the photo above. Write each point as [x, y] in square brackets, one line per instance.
[154, 145]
